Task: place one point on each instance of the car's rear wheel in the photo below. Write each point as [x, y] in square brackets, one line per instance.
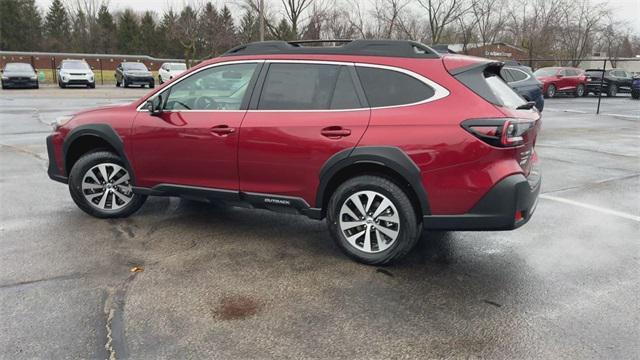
[551, 91]
[125, 83]
[612, 91]
[580, 90]
[372, 220]
[101, 186]
[635, 94]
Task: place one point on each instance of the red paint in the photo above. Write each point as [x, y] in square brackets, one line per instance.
[282, 152]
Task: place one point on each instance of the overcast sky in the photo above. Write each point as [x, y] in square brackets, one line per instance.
[628, 10]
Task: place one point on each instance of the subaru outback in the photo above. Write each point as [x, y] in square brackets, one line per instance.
[381, 138]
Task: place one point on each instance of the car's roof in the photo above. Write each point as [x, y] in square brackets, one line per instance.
[388, 48]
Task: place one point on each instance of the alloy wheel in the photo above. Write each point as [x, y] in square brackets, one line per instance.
[369, 221]
[107, 187]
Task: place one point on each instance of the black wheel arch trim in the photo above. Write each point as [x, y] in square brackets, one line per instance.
[102, 131]
[387, 156]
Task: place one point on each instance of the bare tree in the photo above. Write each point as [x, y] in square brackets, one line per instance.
[294, 10]
[441, 14]
[580, 23]
[489, 17]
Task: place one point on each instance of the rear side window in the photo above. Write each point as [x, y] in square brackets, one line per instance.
[505, 95]
[518, 75]
[384, 87]
[308, 87]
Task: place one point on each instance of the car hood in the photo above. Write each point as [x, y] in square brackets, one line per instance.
[102, 108]
[18, 73]
[137, 73]
[545, 78]
[77, 71]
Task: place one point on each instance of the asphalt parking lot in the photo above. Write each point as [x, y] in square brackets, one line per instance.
[223, 282]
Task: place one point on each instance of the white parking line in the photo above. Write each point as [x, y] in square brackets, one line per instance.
[624, 116]
[591, 207]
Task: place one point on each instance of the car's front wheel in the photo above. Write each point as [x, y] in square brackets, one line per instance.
[612, 91]
[101, 186]
[551, 91]
[372, 220]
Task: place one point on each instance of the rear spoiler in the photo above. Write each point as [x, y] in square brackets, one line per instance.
[473, 77]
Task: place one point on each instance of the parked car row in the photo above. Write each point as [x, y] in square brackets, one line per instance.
[578, 82]
[79, 73]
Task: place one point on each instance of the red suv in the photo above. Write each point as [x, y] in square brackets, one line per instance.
[380, 137]
[566, 80]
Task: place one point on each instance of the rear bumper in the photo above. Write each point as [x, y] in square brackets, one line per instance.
[497, 209]
[52, 170]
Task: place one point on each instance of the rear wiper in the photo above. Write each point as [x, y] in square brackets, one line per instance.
[527, 106]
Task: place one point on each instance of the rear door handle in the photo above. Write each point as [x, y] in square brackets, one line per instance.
[335, 132]
[222, 130]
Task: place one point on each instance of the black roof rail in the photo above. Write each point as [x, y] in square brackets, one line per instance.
[392, 48]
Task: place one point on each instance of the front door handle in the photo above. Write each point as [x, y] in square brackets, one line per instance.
[222, 130]
[335, 132]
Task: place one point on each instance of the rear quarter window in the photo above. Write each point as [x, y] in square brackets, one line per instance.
[384, 87]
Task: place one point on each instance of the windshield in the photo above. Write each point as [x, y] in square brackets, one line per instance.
[75, 65]
[18, 67]
[177, 67]
[134, 66]
[545, 72]
[504, 93]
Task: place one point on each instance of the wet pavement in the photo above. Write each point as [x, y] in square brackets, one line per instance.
[221, 282]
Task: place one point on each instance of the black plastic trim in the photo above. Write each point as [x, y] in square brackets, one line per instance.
[52, 170]
[496, 210]
[388, 156]
[390, 48]
[104, 132]
[279, 203]
[473, 77]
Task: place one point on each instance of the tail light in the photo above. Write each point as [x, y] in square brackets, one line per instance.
[499, 132]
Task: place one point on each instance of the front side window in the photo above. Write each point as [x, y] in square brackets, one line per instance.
[308, 87]
[218, 88]
[384, 87]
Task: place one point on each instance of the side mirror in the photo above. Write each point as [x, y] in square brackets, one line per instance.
[154, 106]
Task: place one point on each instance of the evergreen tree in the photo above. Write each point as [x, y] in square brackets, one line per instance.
[227, 37]
[149, 34]
[31, 25]
[249, 29]
[57, 27]
[128, 33]
[210, 29]
[10, 33]
[167, 34]
[80, 33]
[106, 31]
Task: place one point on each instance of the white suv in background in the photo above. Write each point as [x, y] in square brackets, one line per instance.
[75, 72]
[170, 70]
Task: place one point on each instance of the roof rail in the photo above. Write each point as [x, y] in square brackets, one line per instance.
[392, 48]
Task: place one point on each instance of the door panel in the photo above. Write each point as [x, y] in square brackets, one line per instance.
[195, 140]
[282, 152]
[305, 114]
[181, 148]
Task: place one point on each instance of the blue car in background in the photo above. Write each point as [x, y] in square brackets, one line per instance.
[522, 81]
[635, 87]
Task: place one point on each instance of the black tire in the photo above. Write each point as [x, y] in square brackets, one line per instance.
[92, 86]
[4, 87]
[580, 90]
[152, 85]
[551, 91]
[117, 83]
[409, 230]
[635, 94]
[37, 86]
[612, 91]
[160, 80]
[80, 168]
[125, 83]
[61, 85]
